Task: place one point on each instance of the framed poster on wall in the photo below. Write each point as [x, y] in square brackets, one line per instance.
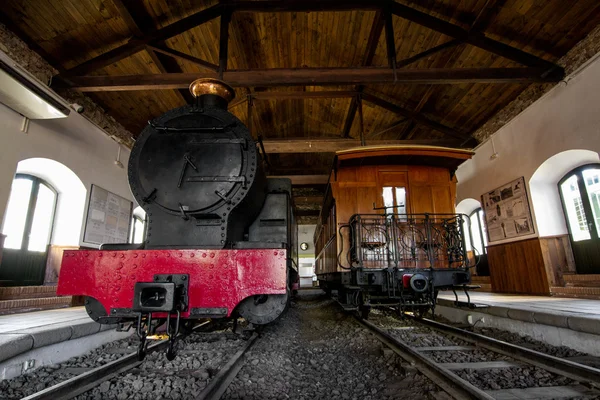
[507, 211]
[108, 217]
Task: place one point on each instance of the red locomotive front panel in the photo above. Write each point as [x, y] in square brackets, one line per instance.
[216, 281]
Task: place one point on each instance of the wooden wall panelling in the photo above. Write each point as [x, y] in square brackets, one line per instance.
[558, 258]
[53, 262]
[518, 267]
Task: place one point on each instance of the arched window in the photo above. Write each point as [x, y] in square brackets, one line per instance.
[137, 234]
[476, 240]
[580, 196]
[138, 227]
[29, 214]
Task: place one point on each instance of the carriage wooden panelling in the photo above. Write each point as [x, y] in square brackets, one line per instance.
[356, 187]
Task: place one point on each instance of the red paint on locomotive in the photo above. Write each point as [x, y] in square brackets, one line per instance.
[217, 278]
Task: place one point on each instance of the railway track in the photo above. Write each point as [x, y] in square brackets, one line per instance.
[84, 383]
[583, 380]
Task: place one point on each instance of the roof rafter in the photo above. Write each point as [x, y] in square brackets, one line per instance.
[417, 118]
[136, 30]
[136, 45]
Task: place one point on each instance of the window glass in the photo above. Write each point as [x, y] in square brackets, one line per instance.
[41, 226]
[388, 197]
[16, 213]
[481, 218]
[476, 240]
[467, 235]
[591, 177]
[574, 208]
[400, 200]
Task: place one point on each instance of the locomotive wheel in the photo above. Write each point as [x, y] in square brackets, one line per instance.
[263, 309]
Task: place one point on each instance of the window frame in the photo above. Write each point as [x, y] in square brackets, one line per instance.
[33, 195]
[585, 200]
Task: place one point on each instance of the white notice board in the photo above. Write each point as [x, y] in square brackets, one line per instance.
[507, 211]
[108, 217]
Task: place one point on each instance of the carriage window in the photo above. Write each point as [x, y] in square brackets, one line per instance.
[395, 197]
[30, 214]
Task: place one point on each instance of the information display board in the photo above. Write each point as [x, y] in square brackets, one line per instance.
[108, 217]
[507, 211]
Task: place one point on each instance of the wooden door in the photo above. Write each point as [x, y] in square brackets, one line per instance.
[580, 196]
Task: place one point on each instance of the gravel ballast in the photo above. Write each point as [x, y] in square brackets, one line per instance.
[315, 351]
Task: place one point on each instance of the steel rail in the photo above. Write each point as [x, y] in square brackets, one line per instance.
[221, 381]
[567, 368]
[83, 382]
[92, 378]
[444, 378]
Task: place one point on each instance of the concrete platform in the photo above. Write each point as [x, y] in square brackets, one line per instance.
[20, 333]
[558, 321]
[576, 314]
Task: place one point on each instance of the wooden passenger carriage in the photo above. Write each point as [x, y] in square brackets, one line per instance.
[388, 229]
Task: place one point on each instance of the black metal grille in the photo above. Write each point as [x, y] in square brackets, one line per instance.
[408, 241]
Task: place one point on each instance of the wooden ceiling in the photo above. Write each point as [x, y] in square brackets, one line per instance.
[426, 71]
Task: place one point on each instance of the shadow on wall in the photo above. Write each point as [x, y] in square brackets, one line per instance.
[71, 197]
[543, 187]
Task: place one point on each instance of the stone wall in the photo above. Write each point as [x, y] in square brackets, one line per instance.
[576, 57]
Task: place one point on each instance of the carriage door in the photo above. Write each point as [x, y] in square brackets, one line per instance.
[580, 196]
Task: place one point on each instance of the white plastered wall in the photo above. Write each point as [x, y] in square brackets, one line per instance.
[73, 141]
[566, 118]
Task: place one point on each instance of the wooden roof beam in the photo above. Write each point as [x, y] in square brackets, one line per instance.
[183, 56]
[136, 45]
[417, 118]
[291, 95]
[272, 6]
[308, 76]
[477, 39]
[184, 96]
[372, 42]
[302, 145]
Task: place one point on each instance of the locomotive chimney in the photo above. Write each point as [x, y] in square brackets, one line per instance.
[211, 92]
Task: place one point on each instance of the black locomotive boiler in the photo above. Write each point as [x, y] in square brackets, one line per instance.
[221, 236]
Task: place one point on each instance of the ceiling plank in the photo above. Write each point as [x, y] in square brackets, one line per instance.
[305, 179]
[308, 76]
[302, 145]
[224, 42]
[138, 44]
[416, 117]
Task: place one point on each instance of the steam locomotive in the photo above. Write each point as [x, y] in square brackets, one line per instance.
[221, 236]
